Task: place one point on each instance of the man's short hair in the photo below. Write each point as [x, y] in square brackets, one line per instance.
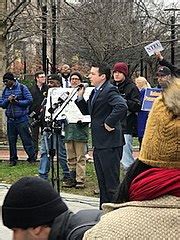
[104, 68]
[38, 73]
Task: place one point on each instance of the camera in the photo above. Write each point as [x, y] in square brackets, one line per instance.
[13, 98]
[36, 119]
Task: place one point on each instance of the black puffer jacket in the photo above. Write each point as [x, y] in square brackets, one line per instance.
[70, 226]
[174, 70]
[131, 93]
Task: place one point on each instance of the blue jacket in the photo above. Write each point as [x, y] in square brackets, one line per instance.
[142, 117]
[17, 111]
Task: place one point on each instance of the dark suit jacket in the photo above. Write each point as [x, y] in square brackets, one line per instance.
[110, 108]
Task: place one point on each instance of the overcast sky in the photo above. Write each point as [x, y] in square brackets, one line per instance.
[171, 2]
[166, 2]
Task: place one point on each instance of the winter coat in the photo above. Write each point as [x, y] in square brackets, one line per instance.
[142, 117]
[76, 132]
[131, 93]
[174, 70]
[70, 226]
[138, 220]
[17, 110]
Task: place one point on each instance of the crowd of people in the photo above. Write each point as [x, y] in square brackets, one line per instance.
[150, 191]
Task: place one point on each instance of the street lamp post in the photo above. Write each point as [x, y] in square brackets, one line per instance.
[172, 38]
[173, 33]
[44, 35]
[53, 9]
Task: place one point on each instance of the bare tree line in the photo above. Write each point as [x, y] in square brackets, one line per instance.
[98, 31]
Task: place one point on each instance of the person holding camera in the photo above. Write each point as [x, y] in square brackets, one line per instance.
[54, 80]
[16, 99]
[39, 92]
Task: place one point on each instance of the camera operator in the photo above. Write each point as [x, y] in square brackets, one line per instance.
[16, 99]
[38, 92]
[54, 80]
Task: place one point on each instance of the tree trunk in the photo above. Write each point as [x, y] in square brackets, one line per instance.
[2, 64]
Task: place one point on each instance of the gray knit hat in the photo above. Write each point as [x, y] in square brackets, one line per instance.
[31, 202]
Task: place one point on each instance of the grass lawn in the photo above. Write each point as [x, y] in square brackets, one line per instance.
[11, 174]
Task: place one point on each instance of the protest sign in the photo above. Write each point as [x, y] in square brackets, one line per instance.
[58, 102]
[149, 96]
[153, 47]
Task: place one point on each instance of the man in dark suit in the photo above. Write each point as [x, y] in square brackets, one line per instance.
[107, 109]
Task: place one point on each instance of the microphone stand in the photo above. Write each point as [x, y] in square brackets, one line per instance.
[73, 93]
[53, 126]
[51, 150]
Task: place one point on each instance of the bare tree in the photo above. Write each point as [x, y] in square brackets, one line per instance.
[113, 31]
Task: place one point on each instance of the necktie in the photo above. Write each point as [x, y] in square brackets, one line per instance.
[94, 95]
[67, 84]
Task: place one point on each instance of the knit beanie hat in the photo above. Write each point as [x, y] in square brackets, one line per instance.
[77, 74]
[31, 202]
[161, 141]
[121, 67]
[55, 76]
[8, 76]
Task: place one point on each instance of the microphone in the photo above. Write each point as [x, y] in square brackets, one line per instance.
[60, 101]
[82, 85]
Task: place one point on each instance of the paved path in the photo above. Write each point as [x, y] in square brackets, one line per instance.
[4, 153]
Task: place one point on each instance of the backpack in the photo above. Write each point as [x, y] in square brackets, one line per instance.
[70, 226]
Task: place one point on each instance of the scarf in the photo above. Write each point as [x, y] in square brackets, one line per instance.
[154, 183]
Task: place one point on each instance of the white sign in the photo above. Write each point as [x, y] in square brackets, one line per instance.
[154, 47]
[58, 103]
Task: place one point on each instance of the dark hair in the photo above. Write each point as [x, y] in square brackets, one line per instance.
[104, 68]
[77, 74]
[38, 73]
[122, 194]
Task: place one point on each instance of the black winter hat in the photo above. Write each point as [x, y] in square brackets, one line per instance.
[77, 74]
[55, 77]
[31, 202]
[8, 76]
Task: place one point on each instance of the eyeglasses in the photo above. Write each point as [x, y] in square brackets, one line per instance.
[75, 79]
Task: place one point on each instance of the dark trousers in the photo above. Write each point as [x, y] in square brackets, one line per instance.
[22, 129]
[107, 166]
[35, 137]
